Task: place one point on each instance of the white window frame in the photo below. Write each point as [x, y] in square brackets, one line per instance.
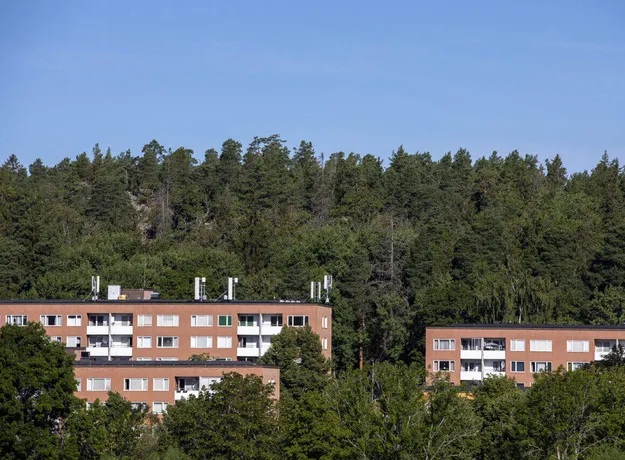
[437, 365]
[514, 367]
[228, 340]
[142, 339]
[514, 344]
[291, 320]
[534, 346]
[452, 344]
[209, 341]
[144, 320]
[160, 319]
[128, 383]
[207, 318]
[78, 384]
[143, 359]
[23, 320]
[76, 339]
[228, 321]
[279, 320]
[160, 384]
[534, 366]
[570, 365]
[43, 319]
[56, 338]
[162, 407]
[572, 344]
[324, 343]
[107, 384]
[74, 320]
[160, 340]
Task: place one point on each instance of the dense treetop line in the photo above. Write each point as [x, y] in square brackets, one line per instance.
[499, 239]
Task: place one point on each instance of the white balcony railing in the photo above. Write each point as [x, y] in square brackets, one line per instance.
[494, 354]
[121, 329]
[493, 373]
[97, 330]
[248, 352]
[184, 394]
[98, 351]
[248, 330]
[470, 375]
[121, 351]
[471, 354]
[271, 330]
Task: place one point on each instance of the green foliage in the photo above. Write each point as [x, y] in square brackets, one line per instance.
[297, 352]
[236, 419]
[36, 391]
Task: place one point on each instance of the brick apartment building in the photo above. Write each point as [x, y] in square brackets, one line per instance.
[141, 348]
[471, 352]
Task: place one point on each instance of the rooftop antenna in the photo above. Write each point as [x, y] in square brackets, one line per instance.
[230, 293]
[200, 289]
[316, 291]
[95, 288]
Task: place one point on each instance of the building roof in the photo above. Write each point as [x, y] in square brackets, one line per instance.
[163, 302]
[213, 364]
[532, 326]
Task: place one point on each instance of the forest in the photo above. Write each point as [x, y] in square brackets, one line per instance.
[410, 243]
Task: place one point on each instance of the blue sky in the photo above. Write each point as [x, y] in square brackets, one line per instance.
[545, 78]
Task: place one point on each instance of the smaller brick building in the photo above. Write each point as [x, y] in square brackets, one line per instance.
[471, 352]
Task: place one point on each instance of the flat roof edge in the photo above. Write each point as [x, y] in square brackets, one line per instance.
[164, 302]
[217, 364]
[532, 326]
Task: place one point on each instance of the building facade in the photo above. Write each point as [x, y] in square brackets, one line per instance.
[160, 384]
[471, 352]
[155, 330]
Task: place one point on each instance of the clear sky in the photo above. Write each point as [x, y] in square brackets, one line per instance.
[543, 77]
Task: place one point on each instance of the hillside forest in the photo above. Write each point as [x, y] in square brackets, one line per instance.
[410, 243]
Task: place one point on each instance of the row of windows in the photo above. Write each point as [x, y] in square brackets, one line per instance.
[172, 342]
[573, 346]
[500, 366]
[135, 384]
[165, 320]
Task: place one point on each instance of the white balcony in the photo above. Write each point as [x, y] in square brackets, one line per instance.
[248, 352]
[271, 330]
[121, 351]
[98, 351]
[248, 330]
[471, 354]
[118, 329]
[97, 330]
[470, 375]
[184, 394]
[599, 355]
[493, 373]
[495, 354]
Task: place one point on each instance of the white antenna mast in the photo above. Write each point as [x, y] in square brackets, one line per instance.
[95, 287]
[316, 291]
[200, 289]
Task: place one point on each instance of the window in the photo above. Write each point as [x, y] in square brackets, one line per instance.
[574, 366]
[577, 346]
[201, 320]
[78, 385]
[143, 359]
[201, 342]
[136, 384]
[98, 320]
[138, 405]
[159, 407]
[167, 342]
[297, 321]
[324, 343]
[170, 358]
[444, 344]
[73, 341]
[444, 366]
[144, 342]
[540, 366]
[246, 320]
[122, 320]
[604, 346]
[51, 320]
[17, 320]
[324, 322]
[167, 320]
[520, 386]
[471, 344]
[160, 385]
[56, 338]
[74, 320]
[517, 345]
[224, 342]
[98, 341]
[144, 320]
[471, 366]
[225, 320]
[517, 366]
[223, 359]
[276, 320]
[98, 384]
[540, 345]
